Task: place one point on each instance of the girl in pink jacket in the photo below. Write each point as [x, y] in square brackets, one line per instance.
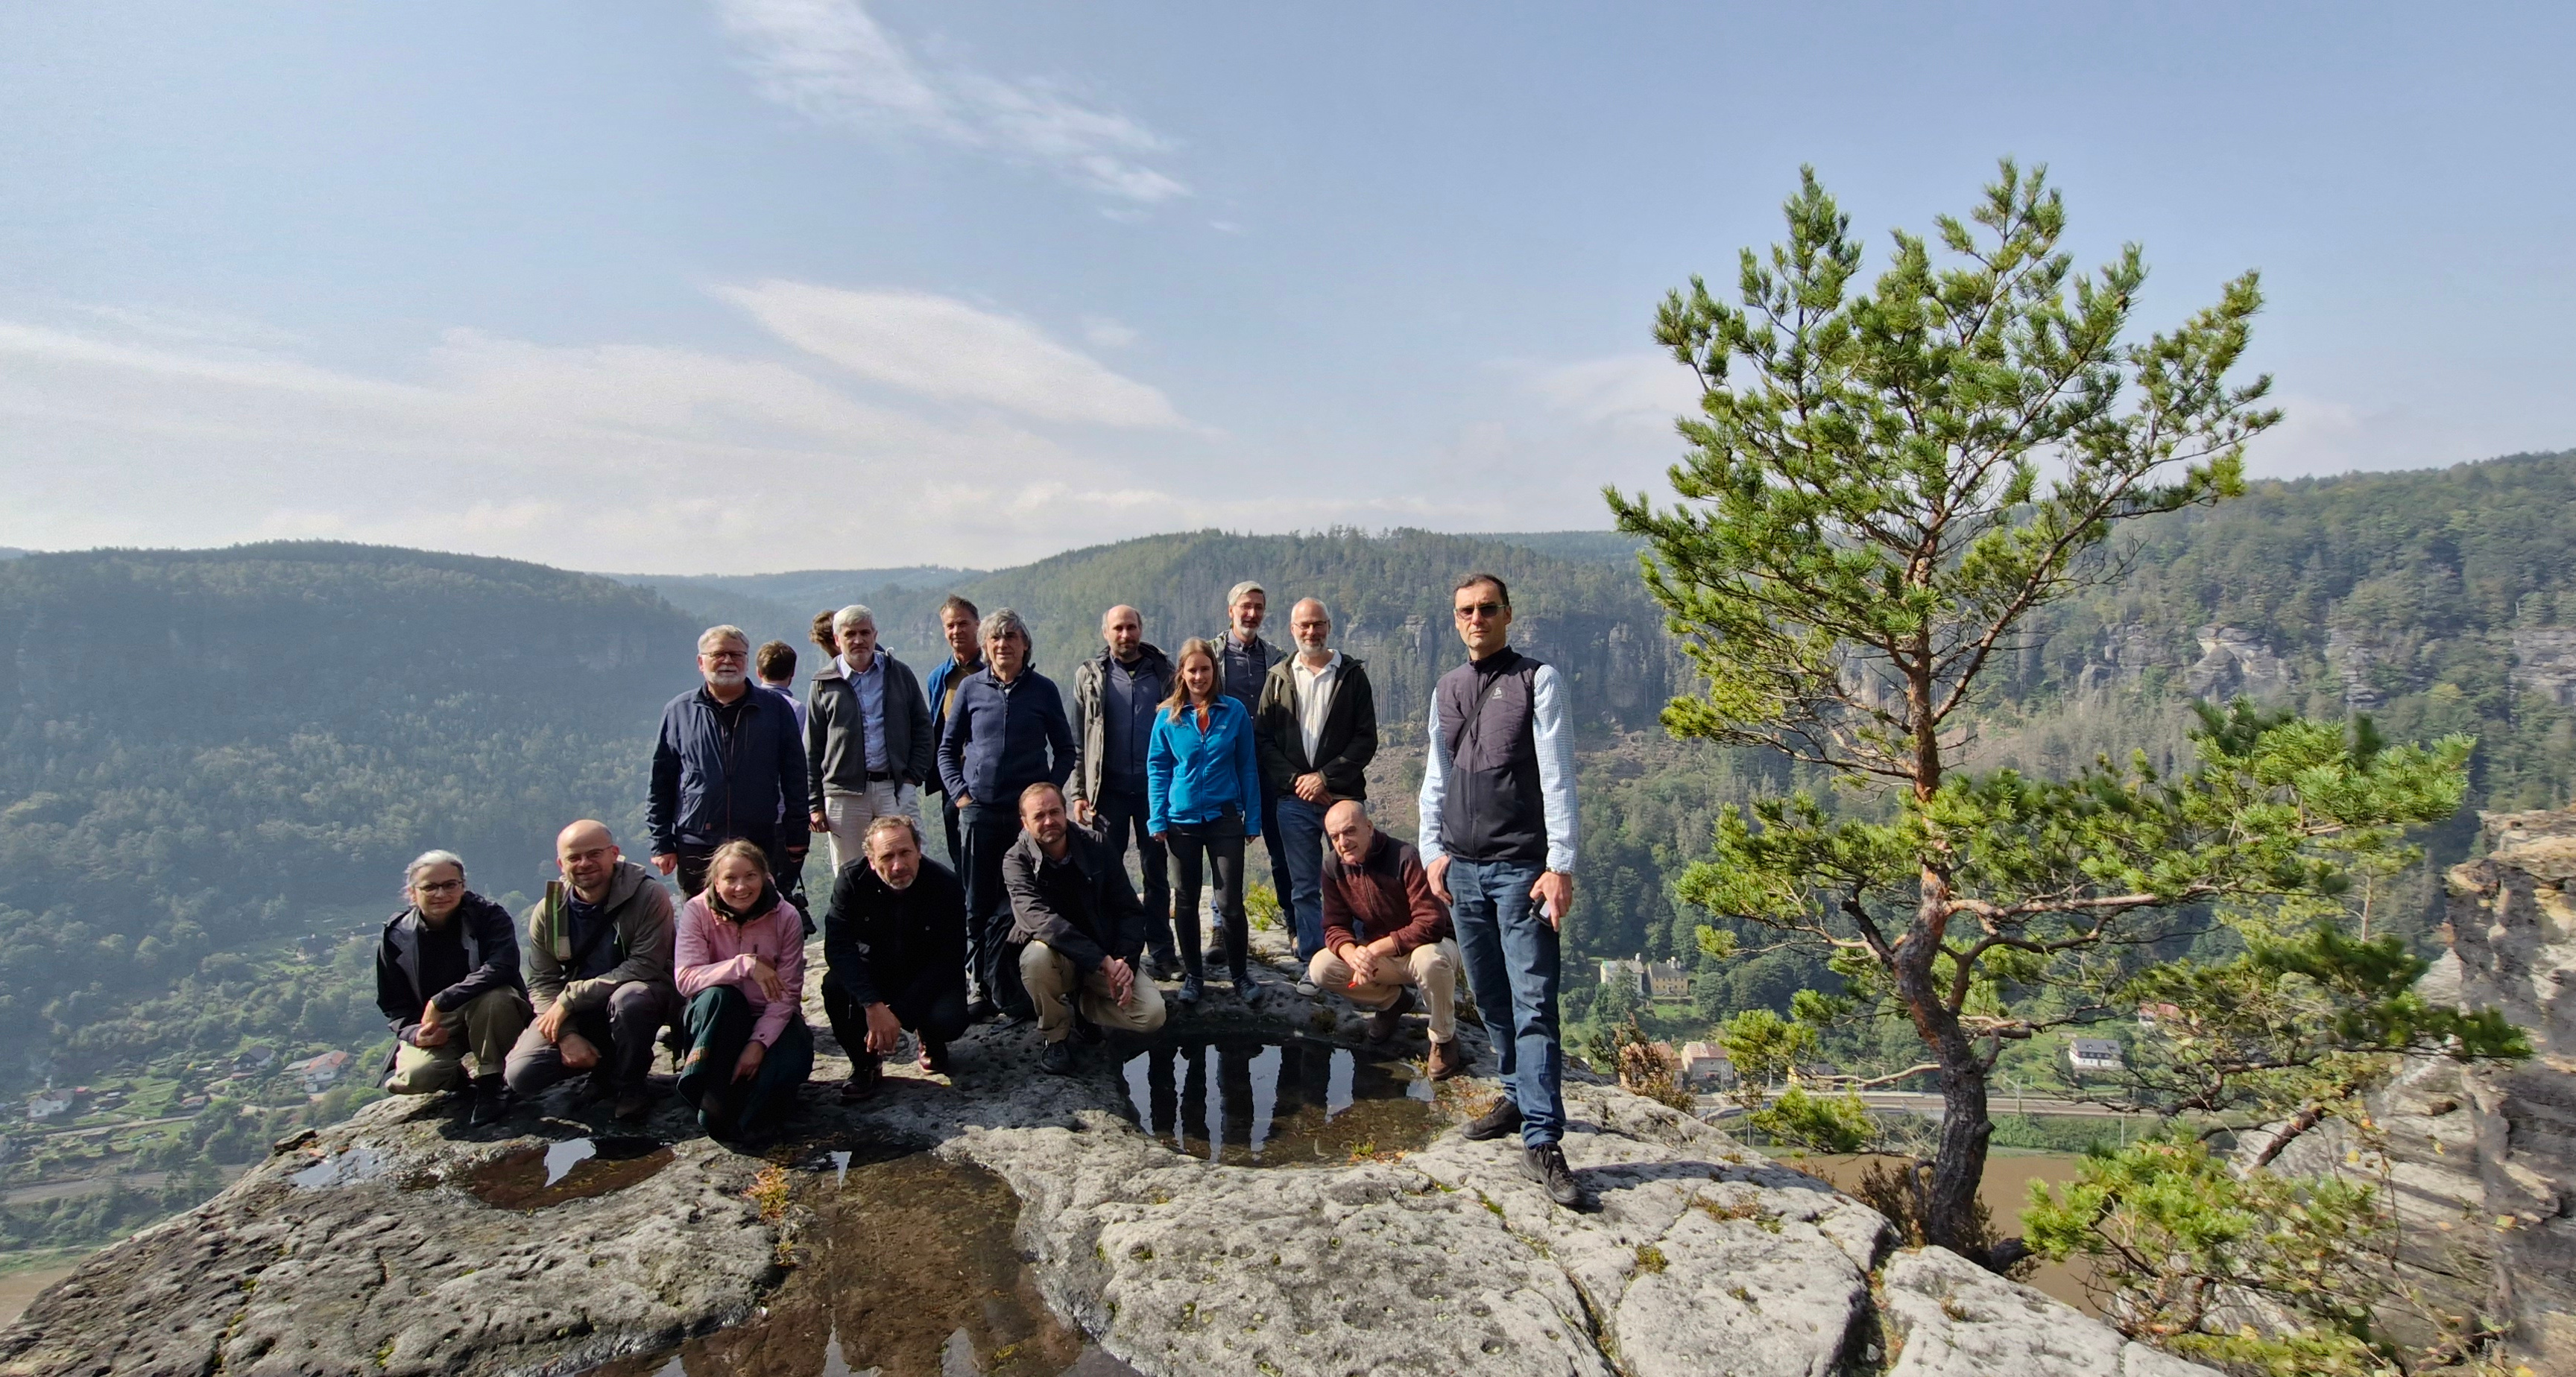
[740, 954]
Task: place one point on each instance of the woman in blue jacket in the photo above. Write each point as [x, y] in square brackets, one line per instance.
[1203, 797]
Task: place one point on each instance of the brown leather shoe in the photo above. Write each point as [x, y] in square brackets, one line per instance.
[1447, 1060]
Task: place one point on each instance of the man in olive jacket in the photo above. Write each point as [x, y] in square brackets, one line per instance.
[1316, 731]
[599, 972]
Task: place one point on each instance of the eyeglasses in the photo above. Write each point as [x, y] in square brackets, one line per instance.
[439, 886]
[728, 655]
[1487, 610]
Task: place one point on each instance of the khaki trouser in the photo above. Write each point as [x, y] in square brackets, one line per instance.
[850, 814]
[1431, 968]
[1050, 979]
[486, 1027]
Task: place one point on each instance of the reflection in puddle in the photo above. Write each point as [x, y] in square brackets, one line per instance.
[911, 1270]
[1249, 1103]
[575, 1169]
[562, 1157]
[347, 1168]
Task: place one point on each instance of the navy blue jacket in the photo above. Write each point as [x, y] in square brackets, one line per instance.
[1002, 739]
[710, 788]
[936, 691]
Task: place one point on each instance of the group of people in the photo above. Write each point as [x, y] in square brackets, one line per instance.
[1181, 758]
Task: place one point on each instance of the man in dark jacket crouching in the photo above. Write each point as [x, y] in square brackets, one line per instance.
[599, 972]
[894, 942]
[447, 979]
[1082, 928]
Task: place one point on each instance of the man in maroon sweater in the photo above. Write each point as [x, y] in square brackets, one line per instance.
[1386, 935]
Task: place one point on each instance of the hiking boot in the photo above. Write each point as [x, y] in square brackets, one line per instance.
[1385, 1023]
[1162, 965]
[865, 1071]
[1057, 1059]
[1546, 1165]
[492, 1102]
[715, 1116]
[1192, 987]
[633, 1105]
[981, 1010]
[1504, 1117]
[933, 1060]
[1448, 1059]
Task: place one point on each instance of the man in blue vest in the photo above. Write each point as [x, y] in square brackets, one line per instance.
[1497, 839]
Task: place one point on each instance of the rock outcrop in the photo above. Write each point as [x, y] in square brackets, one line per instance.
[401, 1242]
[2512, 920]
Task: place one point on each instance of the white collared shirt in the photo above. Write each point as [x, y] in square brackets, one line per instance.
[1315, 699]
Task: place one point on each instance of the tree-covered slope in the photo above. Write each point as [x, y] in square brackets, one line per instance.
[205, 748]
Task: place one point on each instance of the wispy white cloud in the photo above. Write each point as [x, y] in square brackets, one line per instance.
[938, 347]
[830, 61]
[1107, 333]
[1640, 390]
[626, 456]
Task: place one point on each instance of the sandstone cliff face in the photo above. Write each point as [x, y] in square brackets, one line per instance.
[401, 1242]
[2512, 918]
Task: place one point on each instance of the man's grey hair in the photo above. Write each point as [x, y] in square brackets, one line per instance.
[715, 636]
[888, 823]
[1235, 595]
[431, 860]
[852, 615]
[1001, 622]
[1320, 606]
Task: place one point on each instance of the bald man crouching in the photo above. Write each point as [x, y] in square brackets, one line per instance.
[1386, 935]
[599, 973]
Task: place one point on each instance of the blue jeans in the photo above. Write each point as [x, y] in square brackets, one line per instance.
[1301, 834]
[1511, 955]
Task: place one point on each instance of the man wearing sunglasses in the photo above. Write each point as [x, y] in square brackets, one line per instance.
[1497, 842]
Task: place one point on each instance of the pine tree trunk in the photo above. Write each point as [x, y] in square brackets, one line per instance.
[1949, 1206]
[1950, 1198]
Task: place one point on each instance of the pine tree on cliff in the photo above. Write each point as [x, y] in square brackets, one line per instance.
[1884, 483]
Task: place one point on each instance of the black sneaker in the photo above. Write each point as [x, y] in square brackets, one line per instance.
[1546, 1165]
[1384, 1024]
[982, 1011]
[1504, 1117]
[1192, 987]
[1057, 1059]
[491, 1102]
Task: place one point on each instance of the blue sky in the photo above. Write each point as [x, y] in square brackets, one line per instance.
[762, 284]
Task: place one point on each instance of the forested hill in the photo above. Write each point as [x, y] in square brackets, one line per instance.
[203, 749]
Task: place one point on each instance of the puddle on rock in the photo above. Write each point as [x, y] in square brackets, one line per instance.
[341, 1169]
[574, 1169]
[910, 1270]
[1249, 1103]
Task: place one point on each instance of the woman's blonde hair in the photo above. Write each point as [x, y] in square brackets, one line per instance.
[737, 847]
[1177, 700]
